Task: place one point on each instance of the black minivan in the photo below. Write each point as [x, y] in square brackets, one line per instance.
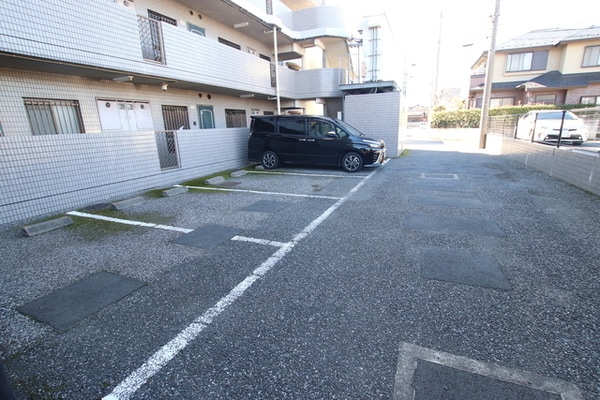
[311, 140]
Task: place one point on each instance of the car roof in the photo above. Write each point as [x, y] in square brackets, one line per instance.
[290, 116]
[546, 111]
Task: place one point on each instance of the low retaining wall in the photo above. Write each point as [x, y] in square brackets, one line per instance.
[578, 168]
[44, 175]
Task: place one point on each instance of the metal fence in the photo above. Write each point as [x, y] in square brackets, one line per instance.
[506, 125]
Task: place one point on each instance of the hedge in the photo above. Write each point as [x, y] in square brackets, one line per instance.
[471, 118]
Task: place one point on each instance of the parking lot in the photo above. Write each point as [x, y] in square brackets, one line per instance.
[443, 270]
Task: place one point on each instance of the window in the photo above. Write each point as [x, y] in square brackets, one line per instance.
[545, 99]
[501, 102]
[267, 58]
[230, 44]
[319, 128]
[591, 56]
[53, 117]
[590, 99]
[292, 126]
[198, 30]
[160, 17]
[151, 39]
[530, 61]
[264, 125]
[207, 118]
[235, 119]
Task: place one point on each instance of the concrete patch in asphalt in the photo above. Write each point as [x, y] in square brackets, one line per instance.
[268, 206]
[474, 269]
[208, 236]
[445, 201]
[452, 225]
[425, 374]
[67, 306]
[443, 185]
[434, 175]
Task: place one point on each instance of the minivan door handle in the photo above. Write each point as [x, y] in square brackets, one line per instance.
[302, 140]
[310, 140]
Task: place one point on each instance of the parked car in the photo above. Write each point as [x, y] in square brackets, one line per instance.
[544, 126]
[312, 140]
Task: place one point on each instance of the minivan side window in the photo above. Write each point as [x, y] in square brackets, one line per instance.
[292, 126]
[266, 125]
[320, 128]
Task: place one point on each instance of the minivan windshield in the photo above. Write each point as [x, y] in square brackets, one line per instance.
[350, 129]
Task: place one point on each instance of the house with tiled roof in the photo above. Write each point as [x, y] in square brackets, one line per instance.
[548, 66]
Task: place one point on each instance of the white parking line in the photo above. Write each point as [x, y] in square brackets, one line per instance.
[265, 242]
[307, 174]
[309, 196]
[166, 353]
[129, 222]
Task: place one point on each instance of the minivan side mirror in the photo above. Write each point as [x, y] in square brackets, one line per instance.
[331, 134]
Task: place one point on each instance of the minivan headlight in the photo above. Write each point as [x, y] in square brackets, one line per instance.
[373, 144]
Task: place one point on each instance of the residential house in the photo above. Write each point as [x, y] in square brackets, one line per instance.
[103, 99]
[549, 66]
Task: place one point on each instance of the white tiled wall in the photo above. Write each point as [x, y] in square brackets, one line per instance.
[577, 169]
[377, 116]
[42, 175]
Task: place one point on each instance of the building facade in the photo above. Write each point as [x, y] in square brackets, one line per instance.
[108, 98]
[550, 66]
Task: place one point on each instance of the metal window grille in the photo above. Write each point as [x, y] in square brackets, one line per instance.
[161, 17]
[53, 116]
[151, 39]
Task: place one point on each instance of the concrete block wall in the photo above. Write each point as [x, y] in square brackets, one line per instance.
[578, 168]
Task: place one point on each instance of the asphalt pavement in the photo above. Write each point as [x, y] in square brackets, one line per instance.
[447, 273]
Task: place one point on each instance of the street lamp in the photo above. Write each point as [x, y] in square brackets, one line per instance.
[489, 71]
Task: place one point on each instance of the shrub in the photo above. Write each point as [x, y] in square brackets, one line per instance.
[456, 119]
[471, 118]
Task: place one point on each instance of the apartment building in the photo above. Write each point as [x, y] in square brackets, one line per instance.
[549, 66]
[107, 98]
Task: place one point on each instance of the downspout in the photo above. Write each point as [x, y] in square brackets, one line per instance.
[277, 93]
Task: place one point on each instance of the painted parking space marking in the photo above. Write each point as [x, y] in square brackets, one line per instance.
[410, 354]
[170, 350]
[307, 174]
[129, 222]
[264, 242]
[307, 196]
[238, 238]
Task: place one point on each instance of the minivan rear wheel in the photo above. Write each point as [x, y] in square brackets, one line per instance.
[270, 160]
[352, 162]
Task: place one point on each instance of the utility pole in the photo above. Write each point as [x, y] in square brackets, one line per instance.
[435, 100]
[489, 71]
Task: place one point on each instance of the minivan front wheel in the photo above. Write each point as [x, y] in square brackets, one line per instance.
[352, 162]
[270, 160]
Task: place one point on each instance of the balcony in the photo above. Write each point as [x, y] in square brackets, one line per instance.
[110, 41]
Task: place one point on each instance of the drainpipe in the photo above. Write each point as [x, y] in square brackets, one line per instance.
[277, 94]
